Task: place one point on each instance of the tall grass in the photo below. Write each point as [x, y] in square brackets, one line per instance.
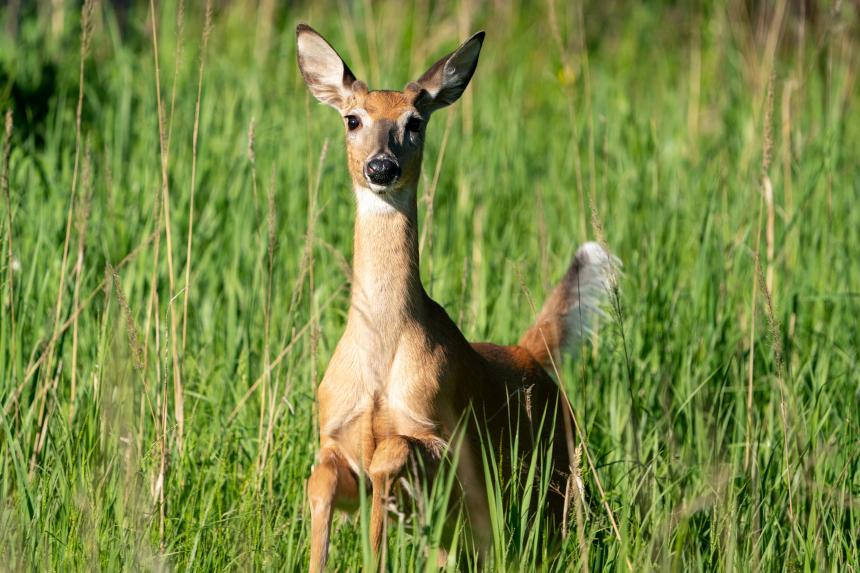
[157, 394]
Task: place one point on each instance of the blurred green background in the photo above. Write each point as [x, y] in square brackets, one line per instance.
[158, 408]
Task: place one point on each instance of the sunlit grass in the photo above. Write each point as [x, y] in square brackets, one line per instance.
[662, 128]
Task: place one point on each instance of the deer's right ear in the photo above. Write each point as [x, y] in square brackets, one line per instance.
[326, 74]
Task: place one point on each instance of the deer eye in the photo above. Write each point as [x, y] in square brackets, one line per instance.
[413, 124]
[352, 122]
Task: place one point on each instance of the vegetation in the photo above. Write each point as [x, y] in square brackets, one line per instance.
[176, 236]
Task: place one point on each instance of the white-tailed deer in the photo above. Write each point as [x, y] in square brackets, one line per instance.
[403, 379]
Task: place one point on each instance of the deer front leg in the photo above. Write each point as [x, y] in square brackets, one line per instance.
[330, 479]
[388, 461]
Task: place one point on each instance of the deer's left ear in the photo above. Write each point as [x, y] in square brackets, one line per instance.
[326, 74]
[446, 80]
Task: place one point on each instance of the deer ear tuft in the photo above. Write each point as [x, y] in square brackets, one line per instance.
[325, 73]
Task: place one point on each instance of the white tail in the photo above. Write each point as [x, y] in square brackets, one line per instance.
[572, 308]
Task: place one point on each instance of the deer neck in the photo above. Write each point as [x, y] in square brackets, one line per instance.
[386, 284]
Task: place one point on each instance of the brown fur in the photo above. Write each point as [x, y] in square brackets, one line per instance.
[403, 380]
[385, 109]
[546, 338]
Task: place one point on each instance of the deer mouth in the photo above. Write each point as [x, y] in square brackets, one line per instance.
[381, 189]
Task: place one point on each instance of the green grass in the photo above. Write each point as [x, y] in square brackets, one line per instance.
[667, 124]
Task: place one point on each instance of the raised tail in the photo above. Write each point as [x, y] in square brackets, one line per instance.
[570, 311]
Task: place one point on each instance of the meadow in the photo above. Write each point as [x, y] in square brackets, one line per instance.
[174, 274]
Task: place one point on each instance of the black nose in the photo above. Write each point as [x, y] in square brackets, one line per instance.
[382, 170]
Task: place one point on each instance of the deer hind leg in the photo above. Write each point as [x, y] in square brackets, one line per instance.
[389, 460]
[330, 480]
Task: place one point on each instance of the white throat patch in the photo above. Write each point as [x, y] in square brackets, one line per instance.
[372, 203]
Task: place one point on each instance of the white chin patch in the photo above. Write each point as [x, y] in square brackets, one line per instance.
[374, 200]
[379, 189]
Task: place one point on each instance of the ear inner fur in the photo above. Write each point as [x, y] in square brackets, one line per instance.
[324, 71]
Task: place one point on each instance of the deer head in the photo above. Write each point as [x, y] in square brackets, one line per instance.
[384, 129]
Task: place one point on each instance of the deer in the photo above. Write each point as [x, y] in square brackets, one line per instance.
[403, 378]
